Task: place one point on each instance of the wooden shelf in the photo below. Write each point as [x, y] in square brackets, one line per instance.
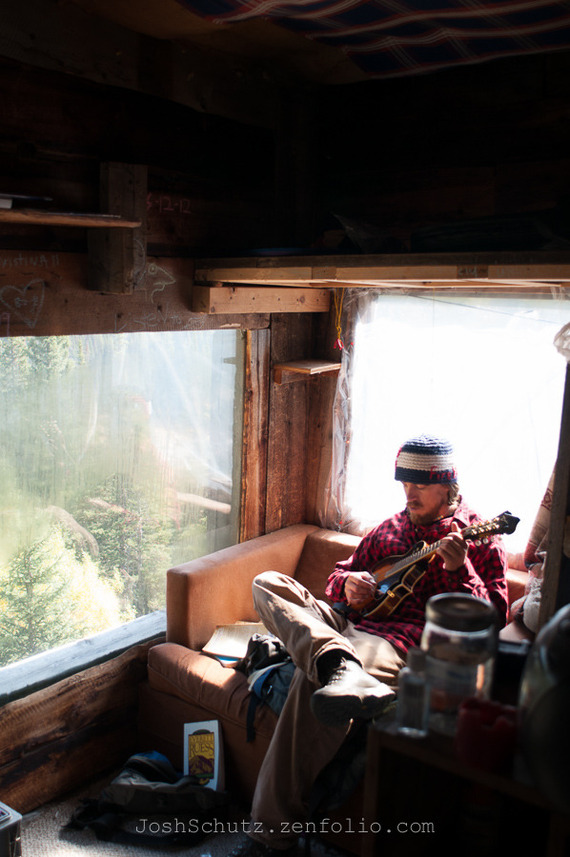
[298, 370]
[37, 217]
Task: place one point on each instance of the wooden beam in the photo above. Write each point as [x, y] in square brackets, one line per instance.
[255, 434]
[116, 257]
[30, 675]
[483, 269]
[287, 449]
[84, 724]
[61, 36]
[231, 299]
[556, 583]
[44, 294]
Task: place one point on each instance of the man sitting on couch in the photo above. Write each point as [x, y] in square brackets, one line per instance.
[347, 664]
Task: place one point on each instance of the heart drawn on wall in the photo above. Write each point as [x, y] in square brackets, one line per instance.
[25, 302]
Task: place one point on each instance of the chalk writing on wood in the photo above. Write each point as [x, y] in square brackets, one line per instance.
[157, 279]
[24, 302]
[153, 280]
[139, 270]
[39, 260]
[151, 320]
[166, 204]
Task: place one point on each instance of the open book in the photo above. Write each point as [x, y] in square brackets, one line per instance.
[228, 643]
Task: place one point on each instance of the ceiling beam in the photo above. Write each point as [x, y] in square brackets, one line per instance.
[481, 270]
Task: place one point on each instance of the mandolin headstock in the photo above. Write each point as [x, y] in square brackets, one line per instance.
[505, 523]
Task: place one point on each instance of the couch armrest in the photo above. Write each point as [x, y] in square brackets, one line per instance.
[216, 589]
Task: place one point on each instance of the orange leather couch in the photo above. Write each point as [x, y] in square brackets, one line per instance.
[184, 685]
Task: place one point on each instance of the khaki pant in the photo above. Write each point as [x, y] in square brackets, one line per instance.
[301, 745]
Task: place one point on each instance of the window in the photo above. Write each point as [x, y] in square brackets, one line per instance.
[482, 371]
[117, 462]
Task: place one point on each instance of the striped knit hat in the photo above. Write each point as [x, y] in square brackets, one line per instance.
[426, 460]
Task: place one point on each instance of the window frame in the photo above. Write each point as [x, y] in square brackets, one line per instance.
[43, 669]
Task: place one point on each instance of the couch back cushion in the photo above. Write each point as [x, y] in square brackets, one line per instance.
[321, 551]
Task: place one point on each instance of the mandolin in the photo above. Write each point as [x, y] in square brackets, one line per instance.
[397, 576]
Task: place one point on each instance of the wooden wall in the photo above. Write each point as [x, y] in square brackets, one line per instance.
[61, 737]
[483, 140]
[224, 177]
[213, 185]
[208, 178]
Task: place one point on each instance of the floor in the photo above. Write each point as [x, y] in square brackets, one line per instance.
[43, 834]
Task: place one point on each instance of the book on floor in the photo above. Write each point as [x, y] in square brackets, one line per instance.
[203, 753]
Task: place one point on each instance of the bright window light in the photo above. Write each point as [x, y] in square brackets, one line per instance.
[481, 371]
[117, 461]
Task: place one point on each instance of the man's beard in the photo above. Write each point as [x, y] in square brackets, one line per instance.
[419, 518]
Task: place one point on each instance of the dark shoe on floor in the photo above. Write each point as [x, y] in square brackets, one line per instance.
[349, 693]
[249, 847]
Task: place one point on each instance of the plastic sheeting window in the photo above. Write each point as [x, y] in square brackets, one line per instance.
[481, 371]
[118, 461]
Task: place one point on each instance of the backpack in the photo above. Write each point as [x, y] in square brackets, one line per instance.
[269, 670]
[149, 803]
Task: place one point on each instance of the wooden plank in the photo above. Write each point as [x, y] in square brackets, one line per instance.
[58, 36]
[319, 446]
[31, 217]
[257, 39]
[288, 426]
[52, 739]
[232, 299]
[29, 675]
[284, 373]
[43, 294]
[49, 714]
[492, 268]
[255, 435]
[70, 763]
[557, 564]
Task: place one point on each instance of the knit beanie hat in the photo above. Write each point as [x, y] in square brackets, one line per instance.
[426, 460]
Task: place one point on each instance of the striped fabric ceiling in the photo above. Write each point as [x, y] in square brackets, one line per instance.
[392, 38]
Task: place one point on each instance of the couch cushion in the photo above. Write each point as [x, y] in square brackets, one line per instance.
[203, 681]
[321, 551]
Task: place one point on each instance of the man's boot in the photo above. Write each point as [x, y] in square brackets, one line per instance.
[347, 691]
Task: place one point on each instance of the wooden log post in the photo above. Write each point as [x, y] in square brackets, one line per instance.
[117, 257]
[556, 583]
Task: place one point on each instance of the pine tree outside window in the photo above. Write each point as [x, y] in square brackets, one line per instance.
[117, 462]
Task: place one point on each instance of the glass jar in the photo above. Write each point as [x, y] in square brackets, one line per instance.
[460, 641]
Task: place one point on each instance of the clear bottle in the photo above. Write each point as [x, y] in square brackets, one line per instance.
[412, 709]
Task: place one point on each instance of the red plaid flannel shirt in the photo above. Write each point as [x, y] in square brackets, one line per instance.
[483, 574]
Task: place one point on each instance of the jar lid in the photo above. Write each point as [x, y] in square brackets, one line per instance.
[458, 611]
